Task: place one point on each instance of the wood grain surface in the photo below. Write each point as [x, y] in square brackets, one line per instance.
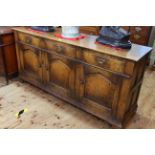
[102, 84]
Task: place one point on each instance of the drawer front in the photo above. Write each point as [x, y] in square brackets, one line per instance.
[60, 48]
[103, 61]
[29, 39]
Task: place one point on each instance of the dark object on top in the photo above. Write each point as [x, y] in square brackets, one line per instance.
[114, 36]
[43, 28]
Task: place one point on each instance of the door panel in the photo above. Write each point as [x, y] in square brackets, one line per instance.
[31, 63]
[59, 74]
[97, 86]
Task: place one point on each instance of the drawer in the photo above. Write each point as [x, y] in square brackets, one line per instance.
[29, 39]
[60, 48]
[103, 61]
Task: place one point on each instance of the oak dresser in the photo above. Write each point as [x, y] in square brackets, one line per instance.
[100, 80]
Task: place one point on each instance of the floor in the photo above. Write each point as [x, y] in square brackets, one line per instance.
[46, 111]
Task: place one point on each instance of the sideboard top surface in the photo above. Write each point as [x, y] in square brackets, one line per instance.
[134, 54]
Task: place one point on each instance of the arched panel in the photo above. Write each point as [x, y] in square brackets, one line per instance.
[60, 73]
[99, 88]
[31, 61]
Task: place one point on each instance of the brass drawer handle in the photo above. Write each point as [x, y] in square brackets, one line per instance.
[28, 40]
[60, 49]
[101, 61]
